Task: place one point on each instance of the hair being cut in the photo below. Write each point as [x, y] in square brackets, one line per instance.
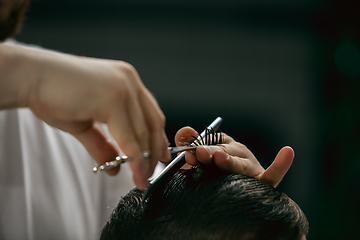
[205, 203]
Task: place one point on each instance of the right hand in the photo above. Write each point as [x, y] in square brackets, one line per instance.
[74, 93]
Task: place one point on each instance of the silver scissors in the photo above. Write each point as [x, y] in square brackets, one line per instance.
[146, 154]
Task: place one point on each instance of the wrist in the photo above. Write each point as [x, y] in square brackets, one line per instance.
[18, 75]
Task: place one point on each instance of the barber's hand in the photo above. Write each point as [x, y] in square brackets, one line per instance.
[235, 157]
[75, 93]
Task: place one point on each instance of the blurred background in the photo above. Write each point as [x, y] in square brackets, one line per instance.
[278, 73]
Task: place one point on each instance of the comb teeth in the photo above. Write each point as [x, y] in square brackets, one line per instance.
[211, 137]
[177, 163]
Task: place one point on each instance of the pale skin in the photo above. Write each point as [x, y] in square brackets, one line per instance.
[75, 93]
[234, 157]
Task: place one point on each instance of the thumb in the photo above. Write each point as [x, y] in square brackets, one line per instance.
[279, 167]
[98, 145]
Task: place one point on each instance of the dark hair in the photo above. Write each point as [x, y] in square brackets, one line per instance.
[12, 24]
[205, 203]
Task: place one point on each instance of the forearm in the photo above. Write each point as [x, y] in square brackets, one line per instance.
[73, 93]
[18, 74]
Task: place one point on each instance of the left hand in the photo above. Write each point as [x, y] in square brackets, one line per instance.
[234, 157]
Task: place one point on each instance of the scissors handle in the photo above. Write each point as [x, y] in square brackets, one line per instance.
[123, 159]
[118, 161]
[179, 160]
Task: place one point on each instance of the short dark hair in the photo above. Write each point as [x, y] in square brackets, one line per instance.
[205, 203]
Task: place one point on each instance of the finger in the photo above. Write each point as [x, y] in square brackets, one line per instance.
[156, 150]
[277, 170]
[184, 135]
[98, 145]
[191, 158]
[233, 164]
[143, 137]
[205, 153]
[125, 137]
[138, 121]
[166, 156]
[155, 120]
[134, 110]
[231, 157]
[128, 123]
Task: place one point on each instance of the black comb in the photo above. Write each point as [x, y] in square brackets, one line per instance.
[178, 162]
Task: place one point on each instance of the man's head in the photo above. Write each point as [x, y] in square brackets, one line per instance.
[204, 203]
[11, 16]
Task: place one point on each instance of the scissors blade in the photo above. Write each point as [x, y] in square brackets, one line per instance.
[181, 149]
[176, 164]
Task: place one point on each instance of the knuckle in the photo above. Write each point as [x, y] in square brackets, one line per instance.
[240, 145]
[154, 126]
[158, 123]
[228, 166]
[124, 71]
[162, 119]
[245, 166]
[127, 67]
[223, 148]
[227, 138]
[119, 92]
[130, 75]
